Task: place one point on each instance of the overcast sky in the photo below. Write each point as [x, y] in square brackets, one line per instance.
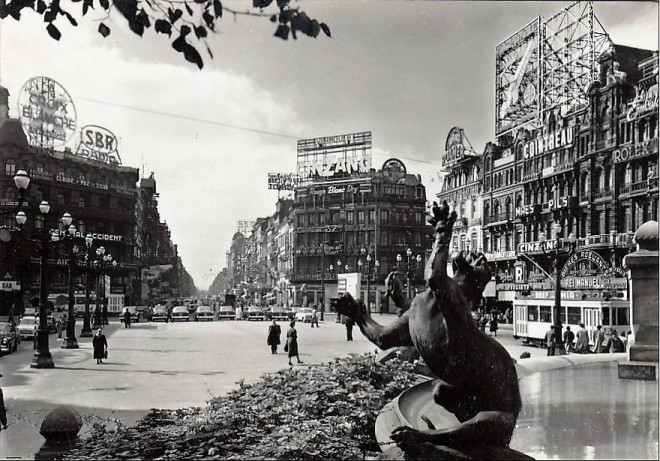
[407, 71]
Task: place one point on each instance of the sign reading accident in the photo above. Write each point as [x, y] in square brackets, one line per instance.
[46, 112]
[327, 156]
[98, 143]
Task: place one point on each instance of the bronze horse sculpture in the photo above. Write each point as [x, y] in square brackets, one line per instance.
[476, 376]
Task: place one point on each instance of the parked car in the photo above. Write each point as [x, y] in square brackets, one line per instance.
[180, 313]
[27, 328]
[290, 313]
[160, 314]
[255, 313]
[9, 337]
[278, 313]
[304, 314]
[226, 313]
[204, 313]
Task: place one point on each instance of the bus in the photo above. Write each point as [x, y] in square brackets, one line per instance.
[532, 318]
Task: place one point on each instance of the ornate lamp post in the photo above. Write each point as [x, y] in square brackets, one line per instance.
[87, 328]
[100, 264]
[42, 357]
[558, 253]
[412, 264]
[21, 181]
[368, 274]
[70, 342]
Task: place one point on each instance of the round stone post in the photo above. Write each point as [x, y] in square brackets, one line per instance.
[643, 267]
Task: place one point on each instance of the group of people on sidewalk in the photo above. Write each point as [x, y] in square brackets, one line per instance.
[579, 343]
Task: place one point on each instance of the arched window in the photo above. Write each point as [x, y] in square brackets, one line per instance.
[507, 208]
[60, 198]
[496, 210]
[598, 178]
[487, 211]
[81, 202]
[627, 179]
[584, 184]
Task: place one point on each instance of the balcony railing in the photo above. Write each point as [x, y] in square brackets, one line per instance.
[603, 195]
[497, 218]
[641, 186]
[612, 239]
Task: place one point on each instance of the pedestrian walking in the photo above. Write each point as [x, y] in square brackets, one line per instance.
[493, 325]
[315, 318]
[582, 342]
[569, 336]
[484, 321]
[292, 342]
[127, 318]
[598, 340]
[550, 341]
[273, 339]
[100, 345]
[349, 328]
[3, 411]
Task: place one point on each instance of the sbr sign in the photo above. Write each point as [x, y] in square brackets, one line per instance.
[99, 139]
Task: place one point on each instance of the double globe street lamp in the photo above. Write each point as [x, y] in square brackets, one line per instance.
[42, 357]
[558, 253]
[100, 264]
[412, 264]
[368, 274]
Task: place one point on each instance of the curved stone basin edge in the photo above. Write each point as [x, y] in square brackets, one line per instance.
[392, 416]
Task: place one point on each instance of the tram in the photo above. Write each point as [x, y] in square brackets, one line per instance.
[532, 318]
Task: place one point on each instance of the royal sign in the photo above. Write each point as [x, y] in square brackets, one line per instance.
[98, 143]
[546, 143]
[46, 112]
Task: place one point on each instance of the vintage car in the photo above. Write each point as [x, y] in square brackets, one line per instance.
[304, 314]
[255, 313]
[160, 314]
[180, 313]
[27, 328]
[278, 313]
[204, 313]
[9, 337]
[226, 313]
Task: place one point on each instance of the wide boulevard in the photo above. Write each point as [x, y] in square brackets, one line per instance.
[160, 365]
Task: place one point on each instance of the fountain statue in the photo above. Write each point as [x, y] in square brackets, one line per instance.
[476, 376]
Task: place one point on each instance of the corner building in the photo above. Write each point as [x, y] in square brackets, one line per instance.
[339, 220]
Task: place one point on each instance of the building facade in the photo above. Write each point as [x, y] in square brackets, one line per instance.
[342, 221]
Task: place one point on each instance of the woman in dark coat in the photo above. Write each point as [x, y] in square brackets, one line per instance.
[273, 340]
[100, 345]
[292, 342]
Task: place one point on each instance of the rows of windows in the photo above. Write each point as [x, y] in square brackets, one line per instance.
[359, 217]
[358, 239]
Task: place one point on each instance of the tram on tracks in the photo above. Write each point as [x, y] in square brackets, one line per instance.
[532, 318]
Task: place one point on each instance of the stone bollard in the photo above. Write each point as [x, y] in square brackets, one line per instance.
[643, 266]
[60, 428]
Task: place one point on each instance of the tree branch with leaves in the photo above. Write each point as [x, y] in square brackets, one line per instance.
[186, 23]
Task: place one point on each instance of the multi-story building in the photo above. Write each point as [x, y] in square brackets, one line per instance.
[461, 189]
[591, 172]
[101, 196]
[340, 220]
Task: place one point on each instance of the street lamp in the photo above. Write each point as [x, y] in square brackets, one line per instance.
[558, 253]
[411, 266]
[368, 274]
[87, 328]
[42, 357]
[21, 181]
[102, 261]
[70, 342]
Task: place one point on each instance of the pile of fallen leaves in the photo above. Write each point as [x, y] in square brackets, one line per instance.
[325, 412]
